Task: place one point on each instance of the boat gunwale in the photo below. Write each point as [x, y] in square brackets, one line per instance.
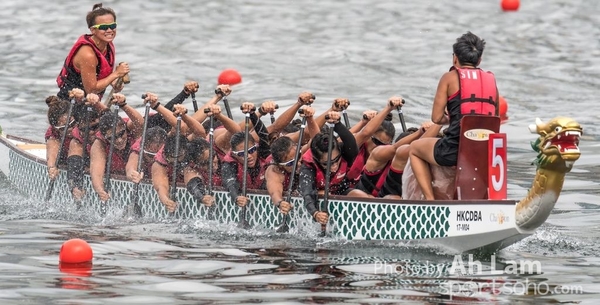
[34, 158]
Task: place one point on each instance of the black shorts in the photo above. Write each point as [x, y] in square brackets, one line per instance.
[445, 153]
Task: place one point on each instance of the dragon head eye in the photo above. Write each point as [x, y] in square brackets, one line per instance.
[557, 129]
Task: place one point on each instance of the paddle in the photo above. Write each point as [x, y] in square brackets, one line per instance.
[211, 156]
[345, 115]
[85, 135]
[325, 204]
[284, 227]
[86, 131]
[194, 103]
[388, 117]
[225, 102]
[134, 208]
[111, 149]
[60, 150]
[401, 116]
[120, 81]
[173, 190]
[272, 114]
[243, 223]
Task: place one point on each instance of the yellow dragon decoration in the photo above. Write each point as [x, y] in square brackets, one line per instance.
[558, 150]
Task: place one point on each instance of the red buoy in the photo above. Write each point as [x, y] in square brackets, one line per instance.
[510, 5]
[229, 77]
[503, 106]
[75, 251]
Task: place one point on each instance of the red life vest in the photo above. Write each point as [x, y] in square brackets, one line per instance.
[160, 159]
[146, 165]
[477, 91]
[77, 136]
[251, 183]
[336, 179]
[381, 179]
[203, 171]
[53, 133]
[70, 77]
[119, 158]
[356, 169]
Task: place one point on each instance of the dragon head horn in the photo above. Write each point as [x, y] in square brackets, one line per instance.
[537, 127]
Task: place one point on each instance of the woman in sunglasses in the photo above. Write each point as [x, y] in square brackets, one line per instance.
[79, 158]
[314, 166]
[90, 63]
[60, 123]
[127, 130]
[376, 132]
[283, 152]
[258, 158]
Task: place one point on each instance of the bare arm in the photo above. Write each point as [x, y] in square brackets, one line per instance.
[190, 124]
[275, 181]
[285, 118]
[438, 114]
[98, 166]
[365, 133]
[220, 92]
[358, 126]
[131, 166]
[52, 147]
[136, 121]
[223, 137]
[194, 126]
[86, 61]
[199, 115]
[160, 182]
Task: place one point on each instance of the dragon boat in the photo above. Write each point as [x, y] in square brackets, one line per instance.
[477, 218]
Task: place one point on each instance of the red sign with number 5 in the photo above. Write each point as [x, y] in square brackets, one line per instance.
[497, 166]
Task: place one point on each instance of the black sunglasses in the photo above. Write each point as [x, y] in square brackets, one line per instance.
[333, 161]
[105, 26]
[377, 142]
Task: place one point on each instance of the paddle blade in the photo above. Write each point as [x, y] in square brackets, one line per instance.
[243, 224]
[49, 190]
[283, 228]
